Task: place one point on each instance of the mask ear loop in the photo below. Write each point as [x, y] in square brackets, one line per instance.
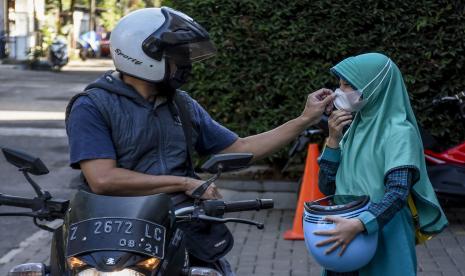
[366, 99]
[389, 65]
[380, 82]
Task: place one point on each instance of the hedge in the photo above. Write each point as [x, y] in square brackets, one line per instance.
[271, 54]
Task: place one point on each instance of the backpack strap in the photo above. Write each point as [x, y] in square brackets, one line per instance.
[179, 108]
[420, 237]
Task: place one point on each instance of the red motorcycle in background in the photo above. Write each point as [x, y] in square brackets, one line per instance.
[446, 166]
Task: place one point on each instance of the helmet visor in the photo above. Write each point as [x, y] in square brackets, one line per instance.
[180, 39]
[190, 52]
[336, 204]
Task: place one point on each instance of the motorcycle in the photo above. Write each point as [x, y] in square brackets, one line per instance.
[3, 41]
[133, 236]
[58, 54]
[446, 167]
[88, 45]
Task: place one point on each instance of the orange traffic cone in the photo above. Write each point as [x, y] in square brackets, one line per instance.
[308, 192]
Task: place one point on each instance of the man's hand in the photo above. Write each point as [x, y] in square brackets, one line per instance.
[211, 193]
[346, 230]
[318, 102]
[264, 144]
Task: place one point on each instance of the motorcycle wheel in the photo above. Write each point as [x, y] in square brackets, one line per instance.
[83, 54]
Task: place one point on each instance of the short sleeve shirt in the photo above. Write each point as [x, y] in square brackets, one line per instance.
[90, 137]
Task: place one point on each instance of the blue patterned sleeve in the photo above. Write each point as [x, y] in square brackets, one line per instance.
[329, 162]
[398, 182]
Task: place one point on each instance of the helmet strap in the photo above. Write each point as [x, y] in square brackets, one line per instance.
[176, 79]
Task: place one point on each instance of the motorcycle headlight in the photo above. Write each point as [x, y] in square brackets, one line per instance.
[149, 264]
[124, 272]
[74, 263]
[203, 271]
[30, 269]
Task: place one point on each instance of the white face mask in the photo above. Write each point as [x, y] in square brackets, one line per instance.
[351, 101]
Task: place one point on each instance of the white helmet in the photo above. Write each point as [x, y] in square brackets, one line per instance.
[145, 41]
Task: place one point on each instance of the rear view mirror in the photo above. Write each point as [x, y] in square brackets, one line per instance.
[227, 162]
[25, 162]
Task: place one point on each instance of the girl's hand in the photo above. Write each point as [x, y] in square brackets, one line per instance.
[342, 235]
[337, 121]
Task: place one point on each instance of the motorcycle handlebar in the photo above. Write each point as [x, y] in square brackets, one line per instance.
[457, 97]
[19, 202]
[248, 205]
[438, 102]
[220, 207]
[446, 99]
[42, 208]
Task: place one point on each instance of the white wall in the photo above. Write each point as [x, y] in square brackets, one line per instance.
[22, 35]
[2, 15]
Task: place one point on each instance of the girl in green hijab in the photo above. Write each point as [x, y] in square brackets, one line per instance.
[380, 155]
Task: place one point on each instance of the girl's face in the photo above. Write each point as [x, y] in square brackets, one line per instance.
[348, 98]
[345, 87]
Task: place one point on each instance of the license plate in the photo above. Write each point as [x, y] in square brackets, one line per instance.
[120, 234]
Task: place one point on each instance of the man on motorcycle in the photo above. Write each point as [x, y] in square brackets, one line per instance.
[126, 131]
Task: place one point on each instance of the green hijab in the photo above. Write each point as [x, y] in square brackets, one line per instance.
[384, 135]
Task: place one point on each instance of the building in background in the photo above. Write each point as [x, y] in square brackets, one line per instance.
[82, 22]
[21, 21]
[3, 10]
[28, 27]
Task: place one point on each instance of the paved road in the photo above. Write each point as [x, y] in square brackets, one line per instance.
[46, 94]
[265, 253]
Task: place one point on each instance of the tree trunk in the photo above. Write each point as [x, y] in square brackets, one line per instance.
[68, 15]
[60, 16]
[92, 15]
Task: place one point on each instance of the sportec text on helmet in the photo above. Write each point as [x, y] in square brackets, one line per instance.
[145, 41]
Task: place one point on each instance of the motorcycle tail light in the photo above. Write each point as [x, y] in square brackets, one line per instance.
[149, 264]
[74, 263]
[29, 269]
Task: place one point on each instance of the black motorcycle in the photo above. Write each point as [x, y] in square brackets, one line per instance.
[58, 54]
[133, 236]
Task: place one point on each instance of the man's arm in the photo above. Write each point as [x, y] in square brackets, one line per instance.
[92, 151]
[104, 177]
[266, 143]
